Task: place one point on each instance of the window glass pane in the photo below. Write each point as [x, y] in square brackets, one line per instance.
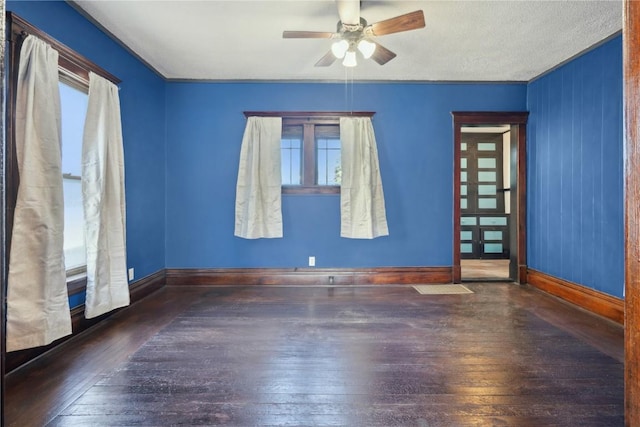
[463, 190]
[492, 235]
[463, 176]
[333, 143]
[493, 220]
[73, 104]
[468, 220]
[486, 146]
[466, 235]
[487, 163]
[487, 203]
[493, 248]
[466, 248]
[487, 190]
[463, 146]
[463, 163]
[486, 176]
[291, 161]
[328, 166]
[463, 203]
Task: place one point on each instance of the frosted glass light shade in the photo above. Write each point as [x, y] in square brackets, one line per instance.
[339, 48]
[350, 59]
[366, 48]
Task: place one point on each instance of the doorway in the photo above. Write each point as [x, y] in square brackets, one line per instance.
[489, 197]
[484, 202]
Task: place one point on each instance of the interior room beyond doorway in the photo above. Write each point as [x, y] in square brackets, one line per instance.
[485, 201]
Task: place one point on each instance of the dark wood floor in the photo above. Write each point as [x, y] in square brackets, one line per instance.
[311, 356]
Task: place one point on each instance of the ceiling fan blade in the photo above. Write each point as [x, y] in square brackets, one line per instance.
[406, 22]
[306, 35]
[349, 11]
[326, 60]
[382, 55]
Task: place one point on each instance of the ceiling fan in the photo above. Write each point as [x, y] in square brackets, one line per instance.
[354, 33]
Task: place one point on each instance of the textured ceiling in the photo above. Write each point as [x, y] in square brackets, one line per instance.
[462, 40]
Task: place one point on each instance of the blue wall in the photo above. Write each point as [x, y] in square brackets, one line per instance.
[575, 171]
[413, 126]
[142, 103]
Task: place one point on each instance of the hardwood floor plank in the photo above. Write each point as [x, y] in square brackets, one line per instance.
[40, 390]
[99, 396]
[366, 356]
[251, 411]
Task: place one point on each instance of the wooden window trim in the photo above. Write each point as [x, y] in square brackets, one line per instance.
[78, 66]
[73, 70]
[309, 154]
[308, 115]
[308, 120]
[314, 189]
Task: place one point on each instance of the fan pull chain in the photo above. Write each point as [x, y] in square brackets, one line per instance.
[352, 85]
[348, 94]
[346, 89]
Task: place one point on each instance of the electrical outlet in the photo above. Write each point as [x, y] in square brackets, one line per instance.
[312, 261]
[131, 274]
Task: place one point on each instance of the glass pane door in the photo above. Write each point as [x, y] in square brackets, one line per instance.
[484, 230]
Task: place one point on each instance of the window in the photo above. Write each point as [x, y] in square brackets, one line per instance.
[73, 86]
[73, 103]
[310, 155]
[310, 150]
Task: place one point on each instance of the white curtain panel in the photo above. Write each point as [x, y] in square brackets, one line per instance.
[37, 301]
[104, 200]
[362, 210]
[258, 190]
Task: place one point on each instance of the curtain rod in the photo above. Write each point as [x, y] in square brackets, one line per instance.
[77, 63]
[314, 114]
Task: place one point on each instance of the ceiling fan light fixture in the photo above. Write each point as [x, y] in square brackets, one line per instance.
[350, 59]
[366, 48]
[339, 48]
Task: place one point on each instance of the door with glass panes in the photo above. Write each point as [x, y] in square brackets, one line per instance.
[484, 231]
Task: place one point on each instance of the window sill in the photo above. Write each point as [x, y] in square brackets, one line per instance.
[76, 284]
[320, 189]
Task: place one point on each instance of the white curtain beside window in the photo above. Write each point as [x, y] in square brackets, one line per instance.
[362, 210]
[37, 301]
[104, 200]
[258, 191]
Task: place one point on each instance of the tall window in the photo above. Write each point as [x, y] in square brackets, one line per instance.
[73, 103]
[73, 87]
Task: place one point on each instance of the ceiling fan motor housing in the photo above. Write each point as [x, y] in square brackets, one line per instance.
[348, 30]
